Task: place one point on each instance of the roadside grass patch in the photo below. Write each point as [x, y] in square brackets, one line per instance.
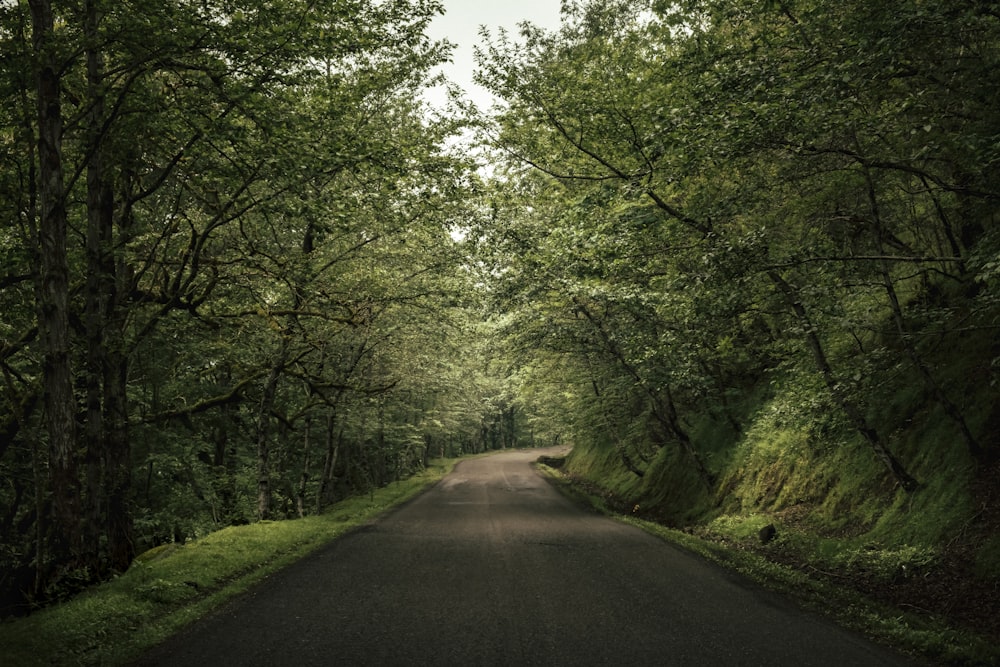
[173, 585]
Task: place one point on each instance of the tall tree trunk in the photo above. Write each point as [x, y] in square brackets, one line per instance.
[852, 411]
[52, 292]
[300, 496]
[100, 204]
[118, 437]
[118, 454]
[264, 433]
[329, 462]
[905, 338]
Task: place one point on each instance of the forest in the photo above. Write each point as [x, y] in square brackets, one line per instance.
[742, 256]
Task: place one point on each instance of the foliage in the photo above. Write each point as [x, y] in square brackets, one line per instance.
[257, 306]
[703, 199]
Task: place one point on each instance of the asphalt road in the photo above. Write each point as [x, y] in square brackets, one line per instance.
[495, 567]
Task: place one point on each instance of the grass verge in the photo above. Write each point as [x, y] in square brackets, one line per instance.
[929, 638]
[171, 586]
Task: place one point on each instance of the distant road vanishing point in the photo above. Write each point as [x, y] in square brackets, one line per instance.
[494, 567]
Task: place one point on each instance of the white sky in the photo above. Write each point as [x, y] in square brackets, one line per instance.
[461, 23]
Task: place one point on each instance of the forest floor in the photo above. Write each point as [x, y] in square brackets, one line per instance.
[946, 591]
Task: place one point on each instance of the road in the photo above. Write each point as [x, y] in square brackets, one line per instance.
[494, 567]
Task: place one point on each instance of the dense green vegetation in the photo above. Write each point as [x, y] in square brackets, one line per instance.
[743, 256]
[741, 237]
[228, 281]
[172, 585]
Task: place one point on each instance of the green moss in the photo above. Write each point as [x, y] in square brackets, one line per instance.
[673, 488]
[156, 553]
[739, 527]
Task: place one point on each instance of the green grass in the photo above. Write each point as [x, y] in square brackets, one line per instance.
[171, 586]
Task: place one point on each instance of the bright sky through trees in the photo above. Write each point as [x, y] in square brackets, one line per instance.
[461, 24]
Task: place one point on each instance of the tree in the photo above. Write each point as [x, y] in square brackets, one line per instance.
[52, 285]
[802, 193]
[224, 176]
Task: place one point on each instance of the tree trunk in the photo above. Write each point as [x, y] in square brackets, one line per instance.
[852, 411]
[906, 340]
[118, 454]
[264, 434]
[108, 445]
[300, 496]
[52, 293]
[329, 463]
[661, 404]
[98, 237]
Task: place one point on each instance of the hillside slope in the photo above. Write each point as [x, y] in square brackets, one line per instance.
[836, 514]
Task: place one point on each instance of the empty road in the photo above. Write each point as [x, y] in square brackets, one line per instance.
[494, 567]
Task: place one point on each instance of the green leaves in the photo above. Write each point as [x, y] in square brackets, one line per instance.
[273, 276]
[731, 190]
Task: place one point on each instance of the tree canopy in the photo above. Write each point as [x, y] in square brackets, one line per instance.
[701, 197]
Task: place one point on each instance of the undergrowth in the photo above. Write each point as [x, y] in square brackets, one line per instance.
[172, 585]
[730, 542]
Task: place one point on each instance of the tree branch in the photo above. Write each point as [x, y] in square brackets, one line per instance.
[232, 396]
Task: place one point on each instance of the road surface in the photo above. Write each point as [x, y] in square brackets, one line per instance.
[495, 567]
